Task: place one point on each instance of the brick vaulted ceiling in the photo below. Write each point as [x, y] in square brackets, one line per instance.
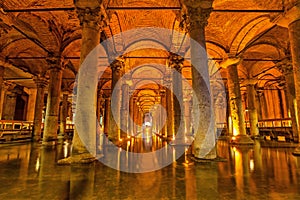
[28, 35]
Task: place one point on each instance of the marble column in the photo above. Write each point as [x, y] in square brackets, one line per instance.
[63, 114]
[93, 19]
[41, 83]
[130, 116]
[106, 115]
[163, 113]
[125, 109]
[169, 107]
[286, 68]
[176, 62]
[53, 100]
[194, 20]
[235, 102]
[117, 67]
[253, 117]
[9, 105]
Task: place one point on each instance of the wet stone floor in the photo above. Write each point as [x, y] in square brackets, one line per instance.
[29, 171]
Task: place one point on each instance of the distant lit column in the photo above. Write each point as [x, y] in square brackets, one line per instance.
[130, 116]
[41, 83]
[187, 114]
[163, 113]
[253, 117]
[125, 108]
[107, 115]
[235, 102]
[63, 114]
[176, 62]
[53, 100]
[117, 67]
[169, 108]
[286, 68]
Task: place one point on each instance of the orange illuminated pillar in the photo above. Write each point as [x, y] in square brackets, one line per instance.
[235, 102]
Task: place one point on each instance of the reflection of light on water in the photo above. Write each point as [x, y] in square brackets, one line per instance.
[174, 156]
[37, 164]
[66, 150]
[251, 164]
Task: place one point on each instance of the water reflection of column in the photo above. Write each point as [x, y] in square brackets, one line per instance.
[48, 169]
[242, 165]
[257, 157]
[82, 180]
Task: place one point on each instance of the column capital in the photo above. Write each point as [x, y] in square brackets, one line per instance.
[285, 66]
[40, 82]
[195, 14]
[290, 15]
[118, 64]
[230, 61]
[250, 81]
[54, 62]
[95, 18]
[176, 62]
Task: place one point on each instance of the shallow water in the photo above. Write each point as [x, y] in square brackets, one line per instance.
[29, 171]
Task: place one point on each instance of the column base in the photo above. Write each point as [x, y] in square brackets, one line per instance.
[79, 159]
[241, 140]
[50, 141]
[296, 151]
[205, 160]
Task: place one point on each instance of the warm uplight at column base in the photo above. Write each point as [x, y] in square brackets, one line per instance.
[241, 140]
[297, 151]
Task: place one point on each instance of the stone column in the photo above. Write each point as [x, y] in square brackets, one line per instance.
[169, 108]
[194, 20]
[41, 83]
[163, 113]
[187, 117]
[117, 68]
[53, 100]
[253, 117]
[130, 116]
[106, 115]
[176, 62]
[63, 114]
[124, 120]
[235, 102]
[93, 19]
[286, 68]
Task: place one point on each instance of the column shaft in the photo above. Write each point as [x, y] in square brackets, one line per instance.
[53, 100]
[38, 110]
[63, 115]
[125, 111]
[253, 117]
[235, 99]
